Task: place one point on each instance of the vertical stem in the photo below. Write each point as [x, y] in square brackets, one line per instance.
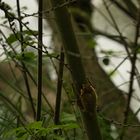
[23, 65]
[40, 23]
[59, 89]
[59, 92]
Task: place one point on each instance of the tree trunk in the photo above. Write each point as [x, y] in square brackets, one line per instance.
[109, 96]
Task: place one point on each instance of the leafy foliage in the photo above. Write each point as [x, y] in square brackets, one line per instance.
[36, 130]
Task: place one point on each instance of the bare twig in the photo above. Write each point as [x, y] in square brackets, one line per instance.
[40, 28]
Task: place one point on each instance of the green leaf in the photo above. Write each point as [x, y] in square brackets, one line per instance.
[66, 117]
[20, 132]
[23, 137]
[29, 56]
[9, 133]
[69, 126]
[26, 34]
[38, 130]
[12, 38]
[25, 56]
[35, 125]
[31, 32]
[50, 129]
[11, 54]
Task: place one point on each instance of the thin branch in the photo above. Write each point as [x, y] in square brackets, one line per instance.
[108, 120]
[126, 46]
[123, 9]
[116, 68]
[23, 65]
[67, 3]
[40, 29]
[133, 63]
